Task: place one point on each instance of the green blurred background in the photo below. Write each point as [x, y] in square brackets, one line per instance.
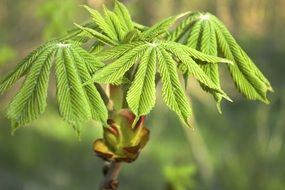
[243, 149]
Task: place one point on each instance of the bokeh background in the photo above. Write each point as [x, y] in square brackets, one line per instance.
[242, 149]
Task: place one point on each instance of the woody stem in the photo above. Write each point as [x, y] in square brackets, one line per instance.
[110, 181]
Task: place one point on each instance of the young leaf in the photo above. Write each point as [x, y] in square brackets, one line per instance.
[101, 22]
[92, 63]
[101, 37]
[72, 102]
[96, 104]
[30, 101]
[193, 53]
[247, 77]
[79, 35]
[114, 22]
[122, 12]
[141, 95]
[193, 69]
[74, 66]
[116, 70]
[172, 91]
[131, 36]
[96, 47]
[243, 72]
[117, 51]
[257, 71]
[209, 46]
[23, 67]
[160, 28]
[183, 28]
[202, 37]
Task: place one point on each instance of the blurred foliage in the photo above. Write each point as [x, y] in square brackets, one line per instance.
[6, 54]
[57, 14]
[243, 149]
[180, 177]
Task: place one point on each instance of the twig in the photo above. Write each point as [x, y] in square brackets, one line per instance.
[110, 181]
[102, 94]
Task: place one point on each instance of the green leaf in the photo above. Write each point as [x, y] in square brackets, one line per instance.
[73, 66]
[209, 46]
[122, 12]
[117, 51]
[172, 92]
[131, 36]
[80, 36]
[194, 38]
[116, 70]
[257, 71]
[199, 34]
[101, 37]
[72, 102]
[245, 74]
[96, 104]
[114, 22]
[101, 22]
[193, 69]
[160, 28]
[141, 95]
[92, 63]
[30, 101]
[171, 46]
[202, 37]
[23, 67]
[183, 28]
[96, 47]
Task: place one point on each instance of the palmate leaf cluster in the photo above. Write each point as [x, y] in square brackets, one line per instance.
[125, 53]
[73, 66]
[150, 58]
[206, 33]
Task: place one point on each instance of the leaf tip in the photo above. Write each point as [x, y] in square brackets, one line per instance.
[269, 88]
[189, 123]
[219, 108]
[227, 97]
[266, 101]
[77, 25]
[183, 14]
[85, 7]
[82, 5]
